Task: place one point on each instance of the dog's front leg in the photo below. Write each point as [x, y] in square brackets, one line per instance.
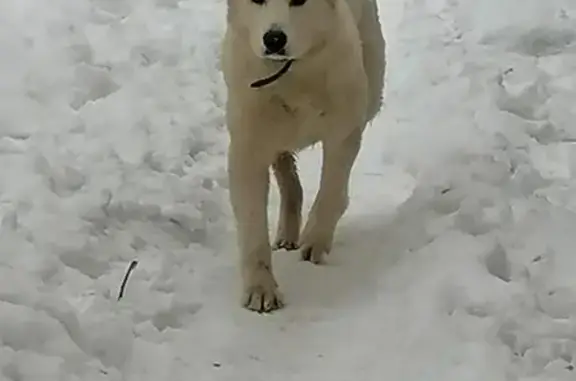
[249, 184]
[332, 198]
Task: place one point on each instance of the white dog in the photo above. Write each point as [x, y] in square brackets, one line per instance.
[297, 72]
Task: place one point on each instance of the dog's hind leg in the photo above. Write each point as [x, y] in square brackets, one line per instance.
[332, 198]
[286, 174]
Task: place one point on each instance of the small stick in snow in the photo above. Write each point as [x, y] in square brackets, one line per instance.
[131, 268]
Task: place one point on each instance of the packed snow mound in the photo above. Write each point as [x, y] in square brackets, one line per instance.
[485, 123]
[111, 141]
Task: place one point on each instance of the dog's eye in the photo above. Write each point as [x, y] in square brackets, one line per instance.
[297, 3]
[259, 2]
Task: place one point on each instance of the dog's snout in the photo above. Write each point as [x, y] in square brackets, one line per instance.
[275, 41]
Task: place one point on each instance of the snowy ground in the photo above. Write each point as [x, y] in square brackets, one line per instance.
[454, 262]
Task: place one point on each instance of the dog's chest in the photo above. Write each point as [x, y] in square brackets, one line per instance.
[301, 117]
[300, 108]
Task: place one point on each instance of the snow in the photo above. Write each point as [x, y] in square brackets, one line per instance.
[454, 262]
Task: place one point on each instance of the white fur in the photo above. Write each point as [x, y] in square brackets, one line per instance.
[333, 89]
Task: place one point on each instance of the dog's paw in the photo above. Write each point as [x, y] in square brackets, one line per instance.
[262, 299]
[314, 250]
[261, 292]
[314, 254]
[288, 245]
[287, 236]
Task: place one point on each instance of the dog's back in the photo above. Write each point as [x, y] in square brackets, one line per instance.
[374, 47]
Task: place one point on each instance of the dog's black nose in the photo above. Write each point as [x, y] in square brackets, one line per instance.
[275, 41]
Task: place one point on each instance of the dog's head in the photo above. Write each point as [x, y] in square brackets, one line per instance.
[283, 29]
